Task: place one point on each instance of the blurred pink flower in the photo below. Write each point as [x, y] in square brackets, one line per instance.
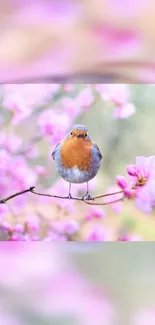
[118, 94]
[53, 124]
[94, 213]
[127, 8]
[118, 42]
[47, 261]
[124, 111]
[57, 11]
[70, 227]
[124, 185]
[29, 95]
[71, 108]
[71, 294]
[21, 173]
[142, 175]
[65, 227]
[131, 170]
[144, 168]
[16, 175]
[21, 99]
[85, 98]
[17, 107]
[10, 142]
[32, 153]
[18, 228]
[55, 237]
[32, 224]
[69, 87]
[98, 233]
[3, 211]
[145, 197]
[41, 170]
[5, 226]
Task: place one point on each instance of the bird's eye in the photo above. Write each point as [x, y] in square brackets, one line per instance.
[85, 135]
[71, 133]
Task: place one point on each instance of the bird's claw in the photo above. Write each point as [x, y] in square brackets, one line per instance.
[69, 196]
[87, 197]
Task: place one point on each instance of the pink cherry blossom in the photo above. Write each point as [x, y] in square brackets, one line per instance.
[41, 170]
[5, 226]
[95, 213]
[53, 124]
[70, 107]
[85, 98]
[142, 174]
[70, 227]
[144, 167]
[119, 96]
[18, 228]
[32, 223]
[3, 211]
[11, 143]
[124, 111]
[98, 233]
[124, 185]
[66, 227]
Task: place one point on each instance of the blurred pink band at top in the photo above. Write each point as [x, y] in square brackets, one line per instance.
[50, 39]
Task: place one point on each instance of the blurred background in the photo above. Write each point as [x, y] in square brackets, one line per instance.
[110, 284]
[34, 118]
[108, 40]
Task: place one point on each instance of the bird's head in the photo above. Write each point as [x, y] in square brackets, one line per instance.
[79, 132]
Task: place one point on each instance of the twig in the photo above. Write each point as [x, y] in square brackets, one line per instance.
[31, 190]
[58, 196]
[105, 203]
[16, 194]
[108, 194]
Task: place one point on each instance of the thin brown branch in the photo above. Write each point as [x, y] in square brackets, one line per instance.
[57, 196]
[31, 189]
[16, 194]
[108, 194]
[104, 203]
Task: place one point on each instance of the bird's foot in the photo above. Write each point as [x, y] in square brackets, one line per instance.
[87, 197]
[70, 196]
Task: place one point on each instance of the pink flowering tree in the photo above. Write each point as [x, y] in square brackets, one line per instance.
[33, 119]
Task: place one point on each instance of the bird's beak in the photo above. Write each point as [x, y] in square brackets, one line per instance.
[80, 136]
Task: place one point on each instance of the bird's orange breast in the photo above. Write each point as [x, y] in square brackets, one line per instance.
[76, 152]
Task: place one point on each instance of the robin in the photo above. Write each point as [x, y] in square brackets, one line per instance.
[77, 158]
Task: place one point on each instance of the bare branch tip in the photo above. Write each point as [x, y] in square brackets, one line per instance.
[32, 188]
[2, 201]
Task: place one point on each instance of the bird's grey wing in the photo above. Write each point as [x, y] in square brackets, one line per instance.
[53, 153]
[98, 151]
